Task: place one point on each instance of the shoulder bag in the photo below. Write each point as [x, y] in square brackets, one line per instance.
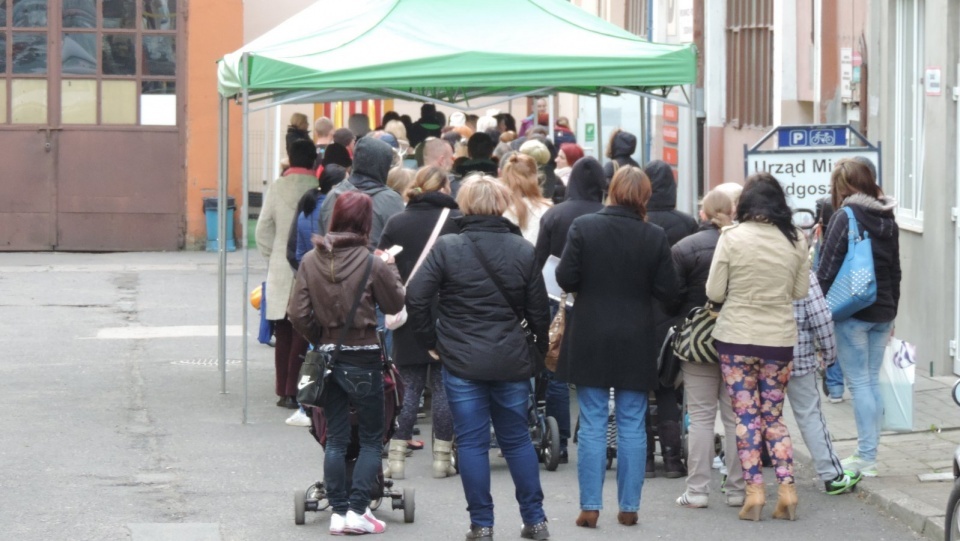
[317, 365]
[693, 341]
[532, 350]
[395, 321]
[855, 286]
[557, 327]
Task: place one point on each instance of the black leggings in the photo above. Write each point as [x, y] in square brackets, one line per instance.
[414, 380]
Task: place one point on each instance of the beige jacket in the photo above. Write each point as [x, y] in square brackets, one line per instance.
[757, 274]
[273, 229]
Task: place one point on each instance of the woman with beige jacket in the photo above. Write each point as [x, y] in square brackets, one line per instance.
[759, 268]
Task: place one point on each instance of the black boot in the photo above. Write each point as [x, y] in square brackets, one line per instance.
[670, 448]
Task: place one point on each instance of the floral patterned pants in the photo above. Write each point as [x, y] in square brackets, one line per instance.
[757, 390]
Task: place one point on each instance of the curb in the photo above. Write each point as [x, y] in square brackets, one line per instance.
[920, 517]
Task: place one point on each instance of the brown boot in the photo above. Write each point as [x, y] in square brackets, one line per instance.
[786, 502]
[627, 518]
[753, 503]
[670, 449]
[588, 519]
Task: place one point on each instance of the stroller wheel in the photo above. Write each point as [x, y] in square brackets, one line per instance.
[299, 507]
[375, 504]
[550, 446]
[409, 505]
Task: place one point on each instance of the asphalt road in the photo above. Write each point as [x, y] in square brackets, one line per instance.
[130, 438]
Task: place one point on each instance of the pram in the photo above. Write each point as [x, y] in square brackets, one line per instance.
[314, 498]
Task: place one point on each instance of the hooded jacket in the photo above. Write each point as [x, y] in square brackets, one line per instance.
[371, 162]
[584, 196]
[477, 333]
[875, 216]
[273, 231]
[662, 208]
[623, 146]
[326, 287]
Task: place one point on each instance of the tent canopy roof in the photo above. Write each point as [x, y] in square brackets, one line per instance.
[450, 51]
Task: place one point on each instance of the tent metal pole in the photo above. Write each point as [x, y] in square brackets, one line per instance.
[298, 97]
[417, 97]
[644, 129]
[222, 182]
[653, 97]
[277, 127]
[600, 126]
[553, 104]
[246, 218]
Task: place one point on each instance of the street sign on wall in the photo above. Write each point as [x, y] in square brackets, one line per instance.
[803, 161]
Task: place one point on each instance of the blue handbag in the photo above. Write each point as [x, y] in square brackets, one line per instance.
[855, 286]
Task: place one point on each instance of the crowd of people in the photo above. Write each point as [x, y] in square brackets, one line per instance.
[441, 231]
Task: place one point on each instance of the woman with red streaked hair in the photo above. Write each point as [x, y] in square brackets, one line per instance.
[328, 282]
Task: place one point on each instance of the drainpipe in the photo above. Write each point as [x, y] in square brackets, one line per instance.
[817, 57]
[647, 139]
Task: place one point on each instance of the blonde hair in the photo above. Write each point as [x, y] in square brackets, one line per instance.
[299, 121]
[396, 129]
[630, 188]
[519, 175]
[399, 179]
[733, 191]
[428, 179]
[717, 207]
[536, 150]
[482, 195]
[323, 127]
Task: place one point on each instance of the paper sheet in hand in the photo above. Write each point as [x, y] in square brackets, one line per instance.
[550, 279]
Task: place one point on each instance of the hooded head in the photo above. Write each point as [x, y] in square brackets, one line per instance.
[586, 180]
[303, 153]
[664, 185]
[622, 144]
[372, 158]
[331, 175]
[428, 111]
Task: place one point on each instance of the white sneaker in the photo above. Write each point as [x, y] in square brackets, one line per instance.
[717, 462]
[299, 418]
[692, 501]
[336, 524]
[835, 399]
[365, 523]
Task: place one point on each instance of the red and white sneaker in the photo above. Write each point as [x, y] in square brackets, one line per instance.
[365, 523]
[337, 523]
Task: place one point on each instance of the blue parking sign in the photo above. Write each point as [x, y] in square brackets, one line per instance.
[812, 137]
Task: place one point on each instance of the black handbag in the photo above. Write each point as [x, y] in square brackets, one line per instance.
[532, 350]
[668, 365]
[694, 342]
[318, 365]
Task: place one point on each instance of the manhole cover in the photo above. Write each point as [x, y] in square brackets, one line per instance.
[204, 362]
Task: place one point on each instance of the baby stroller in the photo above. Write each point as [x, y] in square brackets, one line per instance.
[314, 498]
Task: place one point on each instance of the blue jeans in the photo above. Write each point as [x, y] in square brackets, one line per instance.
[860, 346]
[834, 377]
[631, 407]
[473, 405]
[363, 389]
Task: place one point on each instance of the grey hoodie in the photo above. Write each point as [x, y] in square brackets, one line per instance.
[371, 163]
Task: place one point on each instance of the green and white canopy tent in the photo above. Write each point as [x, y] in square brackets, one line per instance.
[467, 54]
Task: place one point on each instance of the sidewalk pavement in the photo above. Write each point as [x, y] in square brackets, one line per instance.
[903, 457]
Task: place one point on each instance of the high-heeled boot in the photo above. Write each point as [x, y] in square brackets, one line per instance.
[442, 464]
[786, 502]
[396, 458]
[753, 502]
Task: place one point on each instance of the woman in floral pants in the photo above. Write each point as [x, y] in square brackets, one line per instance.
[759, 268]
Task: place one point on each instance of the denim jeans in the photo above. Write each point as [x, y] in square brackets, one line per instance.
[860, 346]
[834, 377]
[631, 407]
[473, 405]
[363, 389]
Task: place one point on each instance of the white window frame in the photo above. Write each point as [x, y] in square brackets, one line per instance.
[909, 116]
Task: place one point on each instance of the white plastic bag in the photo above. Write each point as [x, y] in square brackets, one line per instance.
[896, 386]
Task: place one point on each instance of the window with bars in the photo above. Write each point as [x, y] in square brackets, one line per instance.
[749, 40]
[909, 113]
[636, 17]
[116, 61]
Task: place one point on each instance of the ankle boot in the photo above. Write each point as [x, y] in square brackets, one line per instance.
[627, 518]
[442, 466]
[670, 447]
[395, 459]
[786, 502]
[753, 502]
[588, 519]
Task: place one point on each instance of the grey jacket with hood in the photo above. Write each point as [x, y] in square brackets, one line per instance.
[371, 163]
[622, 148]
[584, 196]
[875, 216]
